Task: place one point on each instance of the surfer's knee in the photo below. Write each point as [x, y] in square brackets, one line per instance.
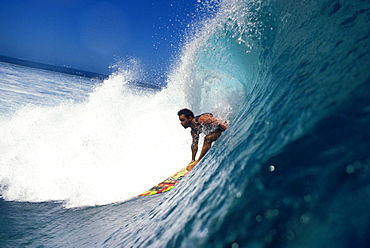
[212, 137]
[208, 139]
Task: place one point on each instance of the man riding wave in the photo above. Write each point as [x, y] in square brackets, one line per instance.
[210, 126]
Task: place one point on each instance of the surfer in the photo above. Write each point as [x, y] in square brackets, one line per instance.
[211, 127]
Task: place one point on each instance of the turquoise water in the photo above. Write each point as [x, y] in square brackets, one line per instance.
[292, 170]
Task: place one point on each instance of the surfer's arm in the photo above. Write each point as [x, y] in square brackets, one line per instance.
[223, 124]
[208, 119]
[194, 144]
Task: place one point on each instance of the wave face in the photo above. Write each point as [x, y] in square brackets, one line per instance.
[292, 170]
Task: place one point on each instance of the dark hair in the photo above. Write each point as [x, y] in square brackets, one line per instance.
[186, 112]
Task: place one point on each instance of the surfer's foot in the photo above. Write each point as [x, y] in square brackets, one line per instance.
[191, 165]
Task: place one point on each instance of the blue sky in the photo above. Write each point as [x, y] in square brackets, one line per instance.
[92, 35]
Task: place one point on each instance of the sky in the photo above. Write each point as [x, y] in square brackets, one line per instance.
[93, 35]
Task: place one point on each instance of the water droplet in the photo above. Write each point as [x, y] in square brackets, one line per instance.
[305, 218]
[350, 169]
[235, 245]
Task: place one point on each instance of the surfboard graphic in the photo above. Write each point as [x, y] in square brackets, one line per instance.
[166, 184]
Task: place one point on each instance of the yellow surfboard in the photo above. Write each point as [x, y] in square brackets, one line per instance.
[167, 184]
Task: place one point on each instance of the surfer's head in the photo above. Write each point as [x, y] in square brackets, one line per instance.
[185, 116]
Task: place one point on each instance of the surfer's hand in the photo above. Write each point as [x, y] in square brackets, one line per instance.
[191, 165]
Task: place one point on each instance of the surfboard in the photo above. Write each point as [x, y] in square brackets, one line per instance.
[167, 184]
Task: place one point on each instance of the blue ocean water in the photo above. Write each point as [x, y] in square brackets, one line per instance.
[292, 170]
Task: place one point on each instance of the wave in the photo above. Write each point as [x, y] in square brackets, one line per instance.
[293, 158]
[291, 77]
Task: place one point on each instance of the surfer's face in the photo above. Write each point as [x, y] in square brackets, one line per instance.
[185, 122]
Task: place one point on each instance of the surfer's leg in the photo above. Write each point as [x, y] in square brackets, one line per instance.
[208, 139]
